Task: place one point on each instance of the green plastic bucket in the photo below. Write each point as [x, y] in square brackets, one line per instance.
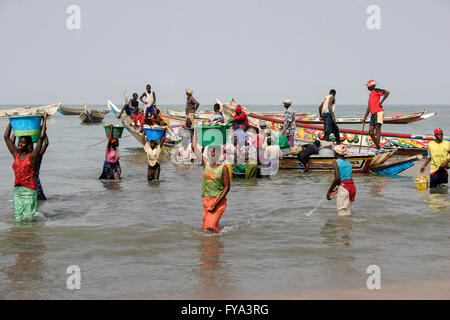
[117, 131]
[212, 135]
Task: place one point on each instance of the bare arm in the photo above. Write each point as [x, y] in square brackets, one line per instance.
[367, 113]
[9, 143]
[320, 110]
[226, 182]
[335, 181]
[45, 145]
[385, 95]
[142, 96]
[425, 164]
[197, 152]
[37, 149]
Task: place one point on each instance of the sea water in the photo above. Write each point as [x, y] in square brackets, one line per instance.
[135, 239]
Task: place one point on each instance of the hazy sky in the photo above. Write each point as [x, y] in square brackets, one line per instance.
[259, 52]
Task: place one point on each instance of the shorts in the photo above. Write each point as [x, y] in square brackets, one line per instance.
[377, 118]
[138, 118]
[153, 172]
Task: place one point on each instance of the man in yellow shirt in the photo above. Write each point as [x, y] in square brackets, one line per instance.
[438, 158]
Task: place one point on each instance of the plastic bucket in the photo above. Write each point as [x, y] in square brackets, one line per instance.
[154, 133]
[213, 135]
[117, 131]
[27, 126]
[422, 182]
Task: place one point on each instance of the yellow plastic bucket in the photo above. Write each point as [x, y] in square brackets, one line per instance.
[422, 182]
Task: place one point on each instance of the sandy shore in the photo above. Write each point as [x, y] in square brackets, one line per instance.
[389, 291]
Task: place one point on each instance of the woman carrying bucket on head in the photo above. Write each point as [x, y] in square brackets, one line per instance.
[25, 194]
[215, 186]
[111, 166]
[343, 178]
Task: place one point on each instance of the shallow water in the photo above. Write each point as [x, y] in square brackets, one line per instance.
[134, 239]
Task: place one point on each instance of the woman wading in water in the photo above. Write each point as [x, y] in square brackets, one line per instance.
[215, 186]
[111, 166]
[24, 166]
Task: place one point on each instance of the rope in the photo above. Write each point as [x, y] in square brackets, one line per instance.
[104, 140]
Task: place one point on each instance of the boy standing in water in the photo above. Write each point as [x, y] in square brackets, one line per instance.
[215, 187]
[153, 152]
[343, 178]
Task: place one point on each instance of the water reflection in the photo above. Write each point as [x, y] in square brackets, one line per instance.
[336, 232]
[376, 190]
[28, 248]
[438, 199]
[213, 277]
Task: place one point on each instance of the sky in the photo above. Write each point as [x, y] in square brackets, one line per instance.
[256, 51]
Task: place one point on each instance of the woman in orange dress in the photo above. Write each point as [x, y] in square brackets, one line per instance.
[215, 186]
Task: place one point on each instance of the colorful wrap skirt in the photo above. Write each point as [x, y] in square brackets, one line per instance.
[109, 169]
[211, 218]
[25, 203]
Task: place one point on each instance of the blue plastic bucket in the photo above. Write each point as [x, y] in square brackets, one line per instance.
[27, 126]
[154, 134]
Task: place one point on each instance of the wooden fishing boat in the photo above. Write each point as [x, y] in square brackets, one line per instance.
[310, 132]
[78, 111]
[172, 135]
[51, 109]
[395, 167]
[91, 116]
[361, 162]
[398, 118]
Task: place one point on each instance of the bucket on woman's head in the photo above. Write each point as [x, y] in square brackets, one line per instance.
[27, 126]
[154, 133]
[213, 135]
[422, 182]
[117, 131]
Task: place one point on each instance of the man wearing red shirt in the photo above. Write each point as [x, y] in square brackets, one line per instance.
[375, 107]
[240, 120]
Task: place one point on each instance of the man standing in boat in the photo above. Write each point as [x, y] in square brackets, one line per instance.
[191, 107]
[439, 159]
[289, 122]
[375, 107]
[326, 111]
[149, 102]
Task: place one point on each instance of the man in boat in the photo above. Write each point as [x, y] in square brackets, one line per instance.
[307, 151]
[240, 120]
[289, 122]
[326, 111]
[130, 106]
[149, 102]
[375, 107]
[346, 190]
[438, 158]
[218, 115]
[191, 107]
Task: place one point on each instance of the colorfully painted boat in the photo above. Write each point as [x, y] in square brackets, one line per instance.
[77, 111]
[312, 132]
[51, 109]
[398, 118]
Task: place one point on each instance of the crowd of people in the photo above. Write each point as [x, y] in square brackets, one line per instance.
[247, 150]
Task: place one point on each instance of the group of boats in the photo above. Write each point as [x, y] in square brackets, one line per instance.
[86, 115]
[363, 156]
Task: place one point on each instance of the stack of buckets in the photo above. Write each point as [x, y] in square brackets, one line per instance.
[27, 126]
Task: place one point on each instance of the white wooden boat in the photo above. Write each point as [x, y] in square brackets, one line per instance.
[51, 109]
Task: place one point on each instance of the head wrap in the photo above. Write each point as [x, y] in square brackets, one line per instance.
[287, 101]
[238, 108]
[262, 123]
[438, 130]
[114, 140]
[341, 149]
[189, 91]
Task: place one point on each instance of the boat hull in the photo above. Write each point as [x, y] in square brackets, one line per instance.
[27, 111]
